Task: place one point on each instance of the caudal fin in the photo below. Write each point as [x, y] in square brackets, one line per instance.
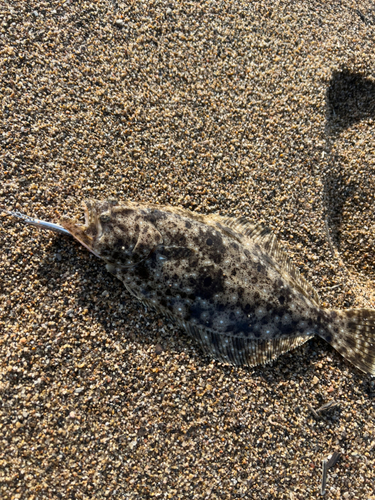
[352, 334]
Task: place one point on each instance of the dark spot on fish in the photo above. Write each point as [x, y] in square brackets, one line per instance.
[176, 253]
[124, 212]
[92, 231]
[192, 296]
[151, 218]
[234, 272]
[328, 338]
[196, 310]
[247, 253]
[116, 256]
[124, 229]
[257, 334]
[321, 317]
[181, 240]
[247, 308]
[350, 341]
[217, 257]
[187, 316]
[286, 329]
[156, 216]
[281, 300]
[151, 263]
[256, 295]
[209, 241]
[267, 245]
[207, 281]
[343, 351]
[234, 245]
[254, 280]
[168, 292]
[188, 224]
[333, 314]
[143, 272]
[260, 268]
[119, 243]
[183, 295]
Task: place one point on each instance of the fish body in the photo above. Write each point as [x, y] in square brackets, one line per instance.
[224, 280]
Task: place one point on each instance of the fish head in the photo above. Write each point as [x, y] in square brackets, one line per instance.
[121, 234]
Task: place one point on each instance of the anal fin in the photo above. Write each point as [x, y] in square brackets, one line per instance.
[241, 351]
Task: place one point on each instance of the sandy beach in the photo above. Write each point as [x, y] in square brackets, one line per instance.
[261, 109]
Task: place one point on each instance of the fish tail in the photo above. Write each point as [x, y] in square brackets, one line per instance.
[352, 334]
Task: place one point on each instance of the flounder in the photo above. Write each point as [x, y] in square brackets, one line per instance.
[224, 280]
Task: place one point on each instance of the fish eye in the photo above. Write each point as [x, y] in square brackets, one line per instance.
[105, 218]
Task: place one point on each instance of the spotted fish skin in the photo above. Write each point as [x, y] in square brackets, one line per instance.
[224, 280]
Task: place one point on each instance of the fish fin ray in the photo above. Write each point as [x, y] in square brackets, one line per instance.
[355, 339]
[241, 351]
[259, 233]
[268, 241]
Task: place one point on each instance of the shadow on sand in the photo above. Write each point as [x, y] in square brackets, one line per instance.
[350, 98]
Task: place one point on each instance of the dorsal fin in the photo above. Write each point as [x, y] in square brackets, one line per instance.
[263, 236]
[241, 225]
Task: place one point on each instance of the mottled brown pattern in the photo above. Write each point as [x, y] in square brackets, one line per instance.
[224, 280]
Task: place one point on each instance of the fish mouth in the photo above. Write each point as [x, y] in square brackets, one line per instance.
[88, 232]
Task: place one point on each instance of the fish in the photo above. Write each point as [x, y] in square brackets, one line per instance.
[226, 281]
